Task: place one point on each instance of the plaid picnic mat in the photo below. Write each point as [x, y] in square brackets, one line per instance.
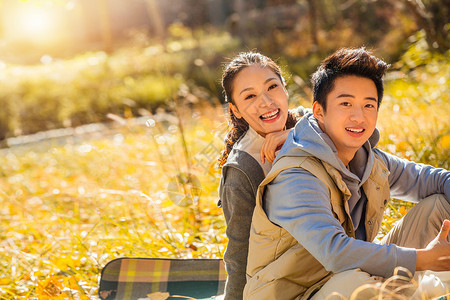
[134, 278]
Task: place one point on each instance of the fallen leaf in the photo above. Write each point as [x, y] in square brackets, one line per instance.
[106, 294]
[158, 296]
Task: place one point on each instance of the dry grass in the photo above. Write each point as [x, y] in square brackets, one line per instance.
[68, 209]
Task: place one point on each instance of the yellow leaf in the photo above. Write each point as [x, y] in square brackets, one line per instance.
[402, 146]
[5, 281]
[158, 296]
[445, 141]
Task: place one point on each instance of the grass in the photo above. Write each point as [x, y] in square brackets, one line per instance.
[413, 119]
[67, 209]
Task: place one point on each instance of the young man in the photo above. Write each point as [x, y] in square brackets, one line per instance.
[321, 206]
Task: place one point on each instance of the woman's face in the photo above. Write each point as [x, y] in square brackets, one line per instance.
[261, 99]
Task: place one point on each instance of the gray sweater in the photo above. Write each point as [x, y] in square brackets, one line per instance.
[241, 176]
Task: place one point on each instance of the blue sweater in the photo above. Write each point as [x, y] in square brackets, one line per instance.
[304, 210]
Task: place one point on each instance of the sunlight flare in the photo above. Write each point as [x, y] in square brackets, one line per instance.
[33, 22]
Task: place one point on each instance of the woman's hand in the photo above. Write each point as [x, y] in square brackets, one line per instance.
[436, 256]
[273, 142]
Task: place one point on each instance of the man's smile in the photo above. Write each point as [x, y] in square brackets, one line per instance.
[355, 130]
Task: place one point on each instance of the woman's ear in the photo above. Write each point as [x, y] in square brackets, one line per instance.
[318, 111]
[235, 110]
[285, 90]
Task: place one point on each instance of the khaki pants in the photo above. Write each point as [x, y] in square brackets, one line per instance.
[415, 230]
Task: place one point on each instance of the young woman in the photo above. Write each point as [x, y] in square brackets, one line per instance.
[260, 122]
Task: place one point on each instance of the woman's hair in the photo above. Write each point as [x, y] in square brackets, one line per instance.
[346, 62]
[240, 126]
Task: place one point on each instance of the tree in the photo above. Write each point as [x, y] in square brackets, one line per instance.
[313, 23]
[433, 17]
[155, 17]
[105, 24]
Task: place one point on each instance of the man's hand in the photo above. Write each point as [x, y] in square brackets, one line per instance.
[273, 142]
[436, 256]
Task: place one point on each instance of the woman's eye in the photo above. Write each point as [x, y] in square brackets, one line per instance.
[249, 96]
[273, 86]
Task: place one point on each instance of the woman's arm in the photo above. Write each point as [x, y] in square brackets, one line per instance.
[272, 143]
[238, 202]
[275, 140]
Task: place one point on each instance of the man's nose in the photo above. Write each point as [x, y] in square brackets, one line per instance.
[357, 114]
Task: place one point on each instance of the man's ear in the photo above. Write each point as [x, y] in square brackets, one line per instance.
[235, 110]
[318, 111]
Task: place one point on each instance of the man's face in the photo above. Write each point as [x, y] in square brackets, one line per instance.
[261, 99]
[351, 114]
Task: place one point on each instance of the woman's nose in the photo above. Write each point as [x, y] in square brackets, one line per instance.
[266, 100]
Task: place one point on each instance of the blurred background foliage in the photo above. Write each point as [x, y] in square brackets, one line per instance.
[122, 57]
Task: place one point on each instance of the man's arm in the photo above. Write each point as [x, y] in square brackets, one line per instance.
[300, 203]
[436, 256]
[412, 181]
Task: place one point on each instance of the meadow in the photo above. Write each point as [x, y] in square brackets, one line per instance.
[151, 189]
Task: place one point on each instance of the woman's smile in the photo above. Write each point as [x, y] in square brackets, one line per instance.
[271, 116]
[260, 98]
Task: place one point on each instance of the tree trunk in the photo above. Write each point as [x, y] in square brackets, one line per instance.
[156, 18]
[424, 20]
[313, 25]
[105, 24]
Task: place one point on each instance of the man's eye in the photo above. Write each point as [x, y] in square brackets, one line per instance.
[345, 104]
[370, 105]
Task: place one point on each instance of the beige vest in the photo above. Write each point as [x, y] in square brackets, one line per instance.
[278, 266]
